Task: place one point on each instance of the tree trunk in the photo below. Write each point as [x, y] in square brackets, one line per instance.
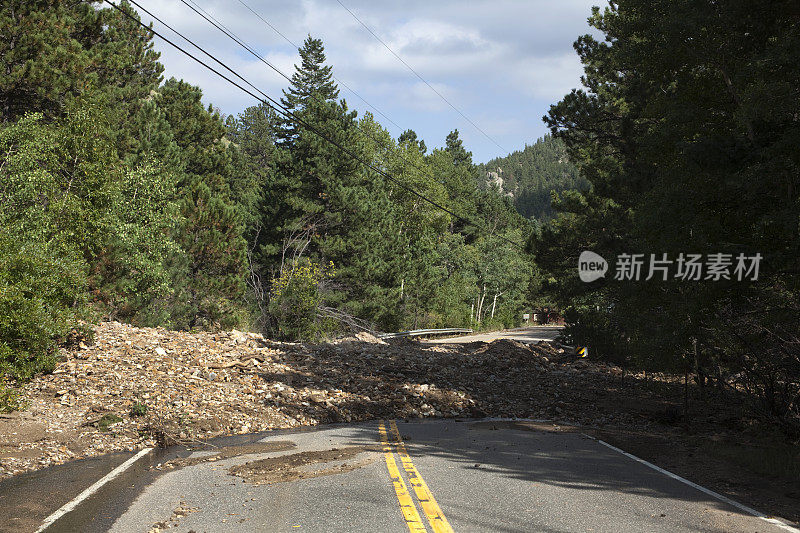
[701, 378]
[479, 314]
[735, 96]
[494, 303]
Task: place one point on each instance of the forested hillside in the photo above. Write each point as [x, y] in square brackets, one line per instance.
[530, 175]
[125, 197]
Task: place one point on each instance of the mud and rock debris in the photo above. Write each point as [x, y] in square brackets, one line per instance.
[173, 521]
[164, 387]
[295, 466]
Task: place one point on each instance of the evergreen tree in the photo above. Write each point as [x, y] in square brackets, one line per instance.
[212, 227]
[46, 51]
[56, 50]
[295, 197]
[455, 147]
[253, 134]
[410, 137]
[684, 130]
[152, 138]
[130, 72]
[311, 79]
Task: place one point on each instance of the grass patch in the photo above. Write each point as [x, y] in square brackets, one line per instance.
[107, 420]
[11, 398]
[138, 409]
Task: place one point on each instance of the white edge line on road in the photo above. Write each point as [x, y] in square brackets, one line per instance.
[69, 506]
[720, 497]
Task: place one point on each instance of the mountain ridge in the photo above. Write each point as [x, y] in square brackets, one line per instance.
[529, 175]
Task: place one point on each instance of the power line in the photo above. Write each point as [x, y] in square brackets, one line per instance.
[280, 108]
[276, 30]
[431, 87]
[230, 34]
[214, 22]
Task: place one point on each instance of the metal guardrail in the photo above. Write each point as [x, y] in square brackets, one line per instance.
[420, 332]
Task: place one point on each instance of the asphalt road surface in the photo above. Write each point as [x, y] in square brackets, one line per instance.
[396, 476]
[526, 334]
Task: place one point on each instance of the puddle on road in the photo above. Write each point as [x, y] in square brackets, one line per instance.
[227, 452]
[306, 465]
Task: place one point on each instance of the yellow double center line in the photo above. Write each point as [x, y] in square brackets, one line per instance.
[432, 511]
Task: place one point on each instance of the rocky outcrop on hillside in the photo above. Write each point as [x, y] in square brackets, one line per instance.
[496, 179]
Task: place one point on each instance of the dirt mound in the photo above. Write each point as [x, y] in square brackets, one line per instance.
[139, 387]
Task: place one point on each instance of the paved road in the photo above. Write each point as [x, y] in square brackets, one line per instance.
[526, 334]
[436, 475]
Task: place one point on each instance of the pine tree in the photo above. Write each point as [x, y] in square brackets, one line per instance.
[312, 79]
[46, 51]
[152, 139]
[130, 72]
[687, 131]
[455, 147]
[253, 135]
[212, 226]
[410, 137]
[55, 50]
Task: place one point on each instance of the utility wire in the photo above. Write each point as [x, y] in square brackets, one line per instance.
[230, 34]
[221, 27]
[276, 30]
[280, 108]
[431, 87]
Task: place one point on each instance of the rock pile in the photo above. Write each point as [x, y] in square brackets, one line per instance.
[137, 387]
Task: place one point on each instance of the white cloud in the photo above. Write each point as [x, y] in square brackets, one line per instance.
[548, 78]
[420, 96]
[501, 62]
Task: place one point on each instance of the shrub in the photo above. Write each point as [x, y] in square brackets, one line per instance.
[108, 420]
[42, 269]
[40, 290]
[11, 398]
[138, 409]
[295, 297]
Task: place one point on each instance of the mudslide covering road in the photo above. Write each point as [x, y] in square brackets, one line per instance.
[396, 476]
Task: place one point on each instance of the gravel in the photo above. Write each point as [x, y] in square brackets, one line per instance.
[195, 386]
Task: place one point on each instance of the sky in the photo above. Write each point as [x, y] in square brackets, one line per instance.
[501, 63]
